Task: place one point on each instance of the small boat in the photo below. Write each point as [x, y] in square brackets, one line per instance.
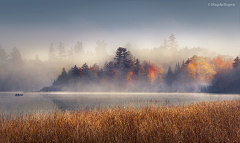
[18, 94]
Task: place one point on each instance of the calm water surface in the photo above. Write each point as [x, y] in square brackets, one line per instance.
[44, 102]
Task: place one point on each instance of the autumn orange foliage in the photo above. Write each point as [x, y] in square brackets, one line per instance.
[152, 74]
[220, 65]
[80, 69]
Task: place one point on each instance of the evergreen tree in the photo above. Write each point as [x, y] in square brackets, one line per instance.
[51, 53]
[3, 55]
[172, 43]
[78, 48]
[15, 56]
[62, 79]
[118, 56]
[183, 64]
[94, 72]
[136, 67]
[169, 77]
[165, 44]
[105, 66]
[101, 48]
[74, 74]
[121, 57]
[177, 69]
[61, 51]
[110, 72]
[236, 62]
[85, 69]
[128, 61]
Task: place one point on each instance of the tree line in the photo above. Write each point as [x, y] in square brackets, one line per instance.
[127, 73]
[159, 69]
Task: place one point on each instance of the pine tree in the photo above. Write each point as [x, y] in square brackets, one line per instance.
[177, 69]
[118, 56]
[101, 48]
[121, 57]
[78, 48]
[136, 67]
[62, 79]
[172, 43]
[61, 51]
[3, 55]
[85, 69]
[74, 74]
[128, 60]
[169, 77]
[110, 71]
[15, 56]
[165, 44]
[183, 64]
[236, 62]
[51, 53]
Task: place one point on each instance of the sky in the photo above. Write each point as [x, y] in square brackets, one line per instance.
[32, 25]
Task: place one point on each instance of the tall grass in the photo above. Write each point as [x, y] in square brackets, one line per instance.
[203, 122]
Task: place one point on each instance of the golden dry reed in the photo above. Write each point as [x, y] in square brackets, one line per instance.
[203, 122]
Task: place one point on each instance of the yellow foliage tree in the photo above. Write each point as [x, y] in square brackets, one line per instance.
[206, 71]
[200, 71]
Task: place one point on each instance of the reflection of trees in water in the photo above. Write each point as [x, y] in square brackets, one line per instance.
[70, 102]
[63, 103]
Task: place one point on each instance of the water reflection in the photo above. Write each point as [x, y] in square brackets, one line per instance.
[9, 103]
[70, 101]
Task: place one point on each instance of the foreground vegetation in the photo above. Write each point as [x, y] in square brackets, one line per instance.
[203, 122]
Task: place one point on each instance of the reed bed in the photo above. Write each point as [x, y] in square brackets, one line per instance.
[203, 122]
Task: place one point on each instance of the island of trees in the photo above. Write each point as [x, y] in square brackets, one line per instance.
[167, 68]
[126, 73]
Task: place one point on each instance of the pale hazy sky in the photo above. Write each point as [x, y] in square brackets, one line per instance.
[32, 25]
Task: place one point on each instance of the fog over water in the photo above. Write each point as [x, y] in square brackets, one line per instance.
[45, 102]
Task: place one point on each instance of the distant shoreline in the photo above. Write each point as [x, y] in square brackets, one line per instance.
[77, 92]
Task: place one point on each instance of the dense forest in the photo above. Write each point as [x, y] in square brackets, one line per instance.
[126, 73]
[167, 68]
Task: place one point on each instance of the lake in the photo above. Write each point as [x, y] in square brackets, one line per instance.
[44, 102]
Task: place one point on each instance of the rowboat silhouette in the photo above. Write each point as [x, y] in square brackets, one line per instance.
[18, 94]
